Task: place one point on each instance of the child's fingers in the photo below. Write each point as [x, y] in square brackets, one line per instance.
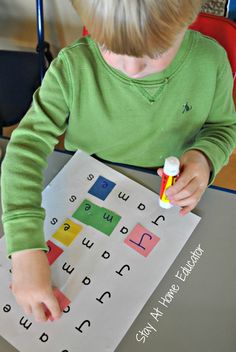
[38, 312]
[160, 171]
[186, 210]
[186, 192]
[53, 306]
[180, 184]
[27, 309]
[192, 200]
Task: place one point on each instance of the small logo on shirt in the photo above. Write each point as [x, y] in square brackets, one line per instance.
[186, 107]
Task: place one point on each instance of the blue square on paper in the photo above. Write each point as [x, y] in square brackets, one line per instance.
[101, 188]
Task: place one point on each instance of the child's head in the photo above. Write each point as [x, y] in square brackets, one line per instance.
[136, 27]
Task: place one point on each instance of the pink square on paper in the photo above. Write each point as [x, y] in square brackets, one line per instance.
[54, 252]
[141, 240]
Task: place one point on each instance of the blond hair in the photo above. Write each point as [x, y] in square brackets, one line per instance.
[136, 27]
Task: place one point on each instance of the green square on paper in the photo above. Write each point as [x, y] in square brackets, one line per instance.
[100, 218]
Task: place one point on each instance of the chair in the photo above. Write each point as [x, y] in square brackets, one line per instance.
[84, 32]
[224, 31]
[20, 74]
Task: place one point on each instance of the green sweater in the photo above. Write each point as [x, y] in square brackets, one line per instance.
[134, 121]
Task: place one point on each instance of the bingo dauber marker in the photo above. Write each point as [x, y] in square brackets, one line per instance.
[169, 177]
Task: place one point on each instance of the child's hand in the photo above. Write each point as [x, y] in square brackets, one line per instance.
[31, 284]
[194, 177]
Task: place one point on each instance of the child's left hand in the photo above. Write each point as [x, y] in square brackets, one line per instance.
[194, 177]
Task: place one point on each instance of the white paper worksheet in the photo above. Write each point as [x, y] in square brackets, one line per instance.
[110, 244]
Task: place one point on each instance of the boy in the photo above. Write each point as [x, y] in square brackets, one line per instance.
[140, 89]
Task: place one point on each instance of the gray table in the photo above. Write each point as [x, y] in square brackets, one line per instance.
[202, 314]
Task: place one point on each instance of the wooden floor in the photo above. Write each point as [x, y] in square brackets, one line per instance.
[226, 178]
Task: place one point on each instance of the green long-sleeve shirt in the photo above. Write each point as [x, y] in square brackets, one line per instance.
[135, 121]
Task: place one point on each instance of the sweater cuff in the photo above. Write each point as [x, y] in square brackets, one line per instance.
[30, 236]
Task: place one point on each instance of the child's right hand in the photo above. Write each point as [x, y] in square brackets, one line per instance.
[31, 284]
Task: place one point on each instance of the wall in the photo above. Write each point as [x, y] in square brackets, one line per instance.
[18, 24]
